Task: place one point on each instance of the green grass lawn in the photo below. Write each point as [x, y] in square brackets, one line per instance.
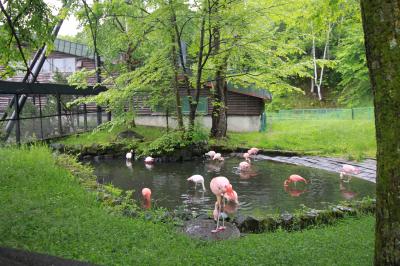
[106, 136]
[45, 209]
[348, 138]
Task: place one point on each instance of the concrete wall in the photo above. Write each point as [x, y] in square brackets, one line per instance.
[236, 123]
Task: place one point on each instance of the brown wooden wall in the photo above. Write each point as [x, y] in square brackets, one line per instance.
[238, 104]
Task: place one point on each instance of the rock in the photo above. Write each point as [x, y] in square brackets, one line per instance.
[248, 224]
[202, 216]
[57, 146]
[201, 229]
[108, 156]
[270, 224]
[93, 149]
[87, 157]
[129, 134]
[287, 220]
[345, 209]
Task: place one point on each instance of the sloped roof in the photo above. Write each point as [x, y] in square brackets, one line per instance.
[250, 90]
[73, 48]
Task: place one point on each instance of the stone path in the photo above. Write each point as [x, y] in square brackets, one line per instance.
[367, 167]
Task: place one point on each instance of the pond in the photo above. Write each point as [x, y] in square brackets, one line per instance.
[260, 191]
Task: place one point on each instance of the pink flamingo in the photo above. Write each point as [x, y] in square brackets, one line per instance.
[253, 151]
[349, 170]
[294, 179]
[245, 166]
[146, 193]
[233, 198]
[246, 156]
[218, 157]
[149, 160]
[210, 154]
[197, 179]
[220, 186]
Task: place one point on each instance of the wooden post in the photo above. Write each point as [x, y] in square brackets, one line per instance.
[59, 115]
[17, 128]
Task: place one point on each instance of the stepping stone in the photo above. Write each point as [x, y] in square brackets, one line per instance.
[201, 229]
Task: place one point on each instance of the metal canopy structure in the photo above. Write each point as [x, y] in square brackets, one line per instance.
[8, 87]
[73, 48]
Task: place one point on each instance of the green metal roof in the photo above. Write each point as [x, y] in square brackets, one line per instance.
[10, 87]
[73, 48]
[250, 90]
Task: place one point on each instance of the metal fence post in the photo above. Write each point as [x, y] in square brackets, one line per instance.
[84, 117]
[17, 128]
[59, 114]
[99, 117]
[41, 118]
[77, 117]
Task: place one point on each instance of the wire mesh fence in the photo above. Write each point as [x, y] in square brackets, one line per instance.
[362, 113]
[45, 112]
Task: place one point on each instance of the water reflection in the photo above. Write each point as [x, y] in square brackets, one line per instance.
[260, 191]
[345, 190]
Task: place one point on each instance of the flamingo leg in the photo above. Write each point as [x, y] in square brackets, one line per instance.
[223, 217]
[216, 230]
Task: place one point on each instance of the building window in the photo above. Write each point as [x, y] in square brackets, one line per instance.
[202, 107]
[63, 65]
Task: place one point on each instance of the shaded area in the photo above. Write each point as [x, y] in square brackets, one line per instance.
[15, 257]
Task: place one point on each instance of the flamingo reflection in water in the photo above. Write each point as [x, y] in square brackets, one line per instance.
[293, 191]
[214, 166]
[347, 194]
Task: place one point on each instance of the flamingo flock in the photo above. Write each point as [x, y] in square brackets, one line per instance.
[227, 200]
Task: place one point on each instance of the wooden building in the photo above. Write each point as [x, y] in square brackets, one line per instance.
[245, 105]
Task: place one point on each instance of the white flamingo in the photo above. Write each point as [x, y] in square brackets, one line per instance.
[197, 179]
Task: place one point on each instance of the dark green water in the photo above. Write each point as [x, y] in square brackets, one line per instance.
[260, 192]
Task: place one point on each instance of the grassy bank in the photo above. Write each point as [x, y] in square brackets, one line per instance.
[347, 138]
[44, 209]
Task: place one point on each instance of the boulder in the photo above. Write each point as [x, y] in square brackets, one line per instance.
[130, 134]
[201, 229]
[249, 224]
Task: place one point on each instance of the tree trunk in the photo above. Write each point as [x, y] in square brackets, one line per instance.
[219, 115]
[381, 20]
[220, 112]
[175, 65]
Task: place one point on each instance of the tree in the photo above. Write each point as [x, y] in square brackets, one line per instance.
[24, 27]
[381, 20]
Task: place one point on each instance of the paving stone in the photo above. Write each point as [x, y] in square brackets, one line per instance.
[367, 167]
